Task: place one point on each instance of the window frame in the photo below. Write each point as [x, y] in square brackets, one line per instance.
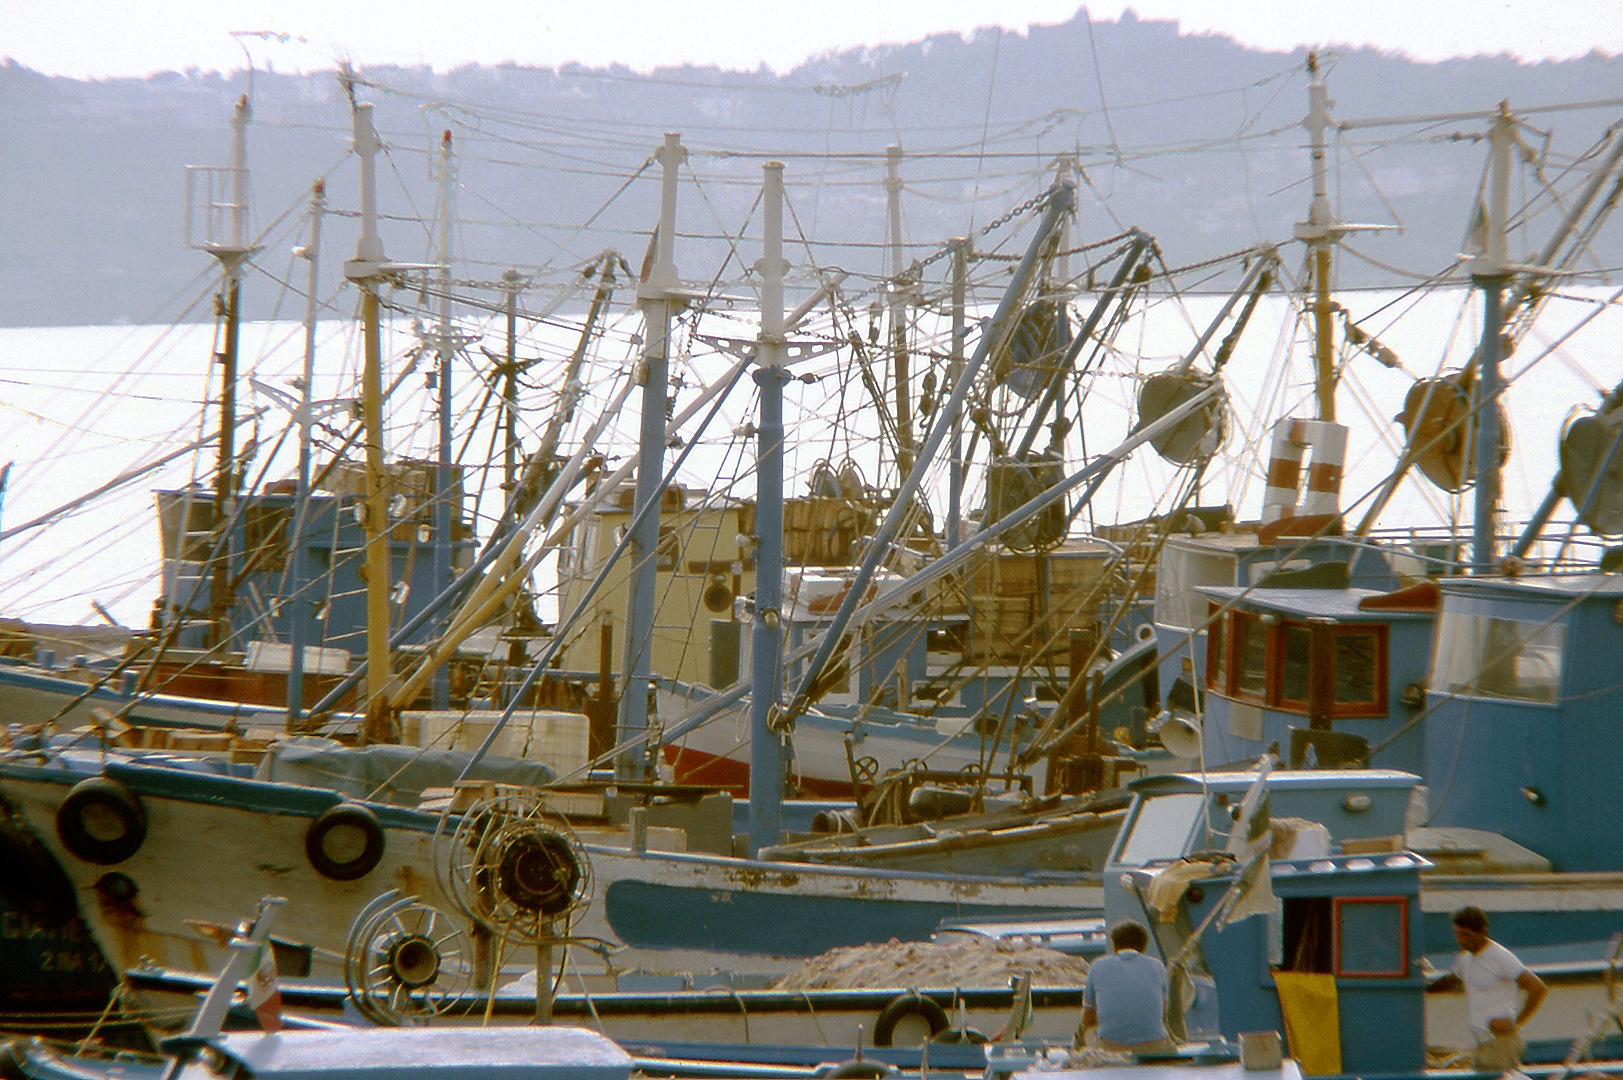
[1402, 904]
[1218, 636]
[1381, 674]
[1237, 619]
[1276, 683]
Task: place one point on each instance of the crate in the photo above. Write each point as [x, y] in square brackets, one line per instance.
[1004, 602]
[557, 739]
[824, 532]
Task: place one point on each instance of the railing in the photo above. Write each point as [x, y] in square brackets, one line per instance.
[216, 207]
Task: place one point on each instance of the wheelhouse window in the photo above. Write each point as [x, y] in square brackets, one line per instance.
[1162, 828]
[1318, 670]
[1358, 670]
[1372, 937]
[1295, 665]
[1479, 655]
[265, 537]
[1250, 656]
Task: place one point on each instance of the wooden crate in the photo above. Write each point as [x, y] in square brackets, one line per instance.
[1004, 602]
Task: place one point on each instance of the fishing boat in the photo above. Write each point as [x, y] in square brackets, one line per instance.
[705, 907]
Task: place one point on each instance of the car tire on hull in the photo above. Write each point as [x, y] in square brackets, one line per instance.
[905, 1007]
[101, 821]
[345, 843]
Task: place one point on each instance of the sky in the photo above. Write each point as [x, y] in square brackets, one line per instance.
[106, 39]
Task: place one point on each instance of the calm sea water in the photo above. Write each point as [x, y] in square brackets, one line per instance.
[83, 407]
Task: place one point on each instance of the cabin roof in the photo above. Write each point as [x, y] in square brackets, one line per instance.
[518, 1053]
[1338, 604]
[1562, 587]
[1243, 540]
[1278, 780]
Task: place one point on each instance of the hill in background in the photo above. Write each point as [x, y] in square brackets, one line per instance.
[1192, 138]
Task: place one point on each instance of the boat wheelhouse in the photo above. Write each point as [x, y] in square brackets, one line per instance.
[1521, 713]
[1329, 676]
[1243, 558]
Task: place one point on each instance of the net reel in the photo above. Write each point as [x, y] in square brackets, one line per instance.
[515, 867]
[406, 962]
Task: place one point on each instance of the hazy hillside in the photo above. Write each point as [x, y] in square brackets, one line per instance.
[1196, 140]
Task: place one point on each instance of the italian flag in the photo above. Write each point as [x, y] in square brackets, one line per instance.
[264, 996]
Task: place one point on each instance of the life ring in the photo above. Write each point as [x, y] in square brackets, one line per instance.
[345, 842]
[906, 1007]
[101, 821]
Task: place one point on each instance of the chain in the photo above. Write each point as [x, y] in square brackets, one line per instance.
[916, 271]
[1030, 204]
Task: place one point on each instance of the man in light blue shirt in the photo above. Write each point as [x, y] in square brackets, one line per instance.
[1126, 995]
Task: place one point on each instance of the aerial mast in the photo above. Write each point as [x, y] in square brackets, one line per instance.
[369, 273]
[660, 303]
[311, 253]
[232, 254]
[445, 349]
[898, 314]
[766, 645]
[1320, 232]
[1490, 272]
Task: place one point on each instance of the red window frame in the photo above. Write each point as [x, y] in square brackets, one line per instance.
[1246, 618]
[1402, 904]
[1276, 681]
[1377, 707]
[1217, 645]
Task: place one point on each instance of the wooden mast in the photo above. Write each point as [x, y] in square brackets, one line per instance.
[1319, 232]
[231, 256]
[368, 272]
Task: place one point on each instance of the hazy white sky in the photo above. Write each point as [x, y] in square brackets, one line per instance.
[101, 38]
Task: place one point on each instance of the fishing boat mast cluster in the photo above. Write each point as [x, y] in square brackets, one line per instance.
[873, 640]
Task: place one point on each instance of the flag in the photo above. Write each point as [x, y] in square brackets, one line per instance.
[1249, 842]
[264, 996]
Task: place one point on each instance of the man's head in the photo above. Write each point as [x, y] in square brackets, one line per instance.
[1471, 929]
[1128, 934]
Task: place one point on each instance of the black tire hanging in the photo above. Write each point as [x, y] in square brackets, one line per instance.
[101, 821]
[331, 855]
[904, 1007]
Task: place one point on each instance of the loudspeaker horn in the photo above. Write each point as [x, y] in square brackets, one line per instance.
[1180, 735]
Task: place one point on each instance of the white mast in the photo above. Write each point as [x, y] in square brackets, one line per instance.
[310, 252]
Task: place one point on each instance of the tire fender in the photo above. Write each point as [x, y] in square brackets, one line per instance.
[902, 1007]
[330, 845]
[101, 821]
[865, 1069]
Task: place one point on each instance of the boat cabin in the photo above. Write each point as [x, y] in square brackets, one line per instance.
[262, 601]
[1190, 564]
[1522, 708]
[1351, 921]
[1330, 676]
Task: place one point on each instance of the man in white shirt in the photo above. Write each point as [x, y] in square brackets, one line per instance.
[1493, 976]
